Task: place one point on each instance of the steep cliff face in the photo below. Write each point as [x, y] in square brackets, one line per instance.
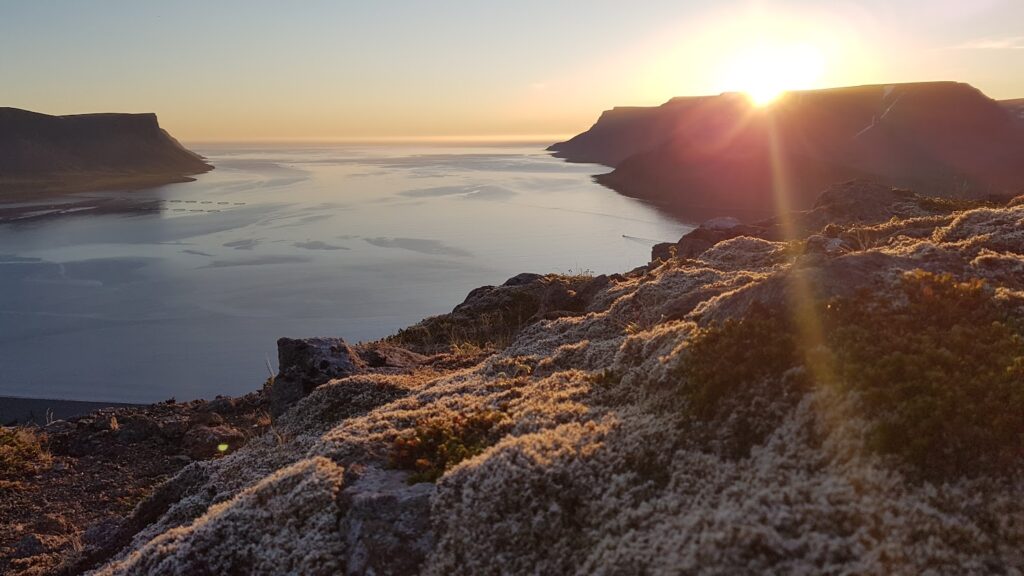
[623, 132]
[51, 152]
[721, 156]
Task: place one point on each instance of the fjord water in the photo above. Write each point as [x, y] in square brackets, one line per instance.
[188, 299]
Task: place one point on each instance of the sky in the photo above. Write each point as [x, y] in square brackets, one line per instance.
[235, 70]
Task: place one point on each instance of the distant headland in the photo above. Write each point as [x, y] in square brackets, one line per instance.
[702, 157]
[43, 155]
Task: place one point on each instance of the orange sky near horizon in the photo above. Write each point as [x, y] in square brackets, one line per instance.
[239, 71]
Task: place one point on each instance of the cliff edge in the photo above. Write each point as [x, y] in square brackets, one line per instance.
[42, 154]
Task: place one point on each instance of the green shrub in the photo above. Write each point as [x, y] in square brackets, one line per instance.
[437, 444]
[735, 377]
[724, 359]
[936, 366]
[939, 369]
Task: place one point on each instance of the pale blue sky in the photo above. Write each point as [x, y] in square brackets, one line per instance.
[241, 69]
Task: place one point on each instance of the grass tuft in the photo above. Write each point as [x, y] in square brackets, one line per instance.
[22, 452]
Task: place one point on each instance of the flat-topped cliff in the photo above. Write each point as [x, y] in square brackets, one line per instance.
[720, 155]
[43, 153]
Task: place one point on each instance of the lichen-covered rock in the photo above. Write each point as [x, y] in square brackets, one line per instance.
[492, 316]
[285, 524]
[698, 240]
[691, 416]
[387, 528]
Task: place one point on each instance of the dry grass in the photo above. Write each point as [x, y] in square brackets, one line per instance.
[22, 451]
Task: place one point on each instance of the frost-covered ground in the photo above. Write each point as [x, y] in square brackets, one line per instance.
[596, 463]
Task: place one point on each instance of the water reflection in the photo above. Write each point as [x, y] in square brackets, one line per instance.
[181, 290]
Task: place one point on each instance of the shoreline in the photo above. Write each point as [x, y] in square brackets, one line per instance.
[21, 411]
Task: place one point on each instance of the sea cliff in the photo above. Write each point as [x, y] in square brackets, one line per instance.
[45, 155]
[722, 156]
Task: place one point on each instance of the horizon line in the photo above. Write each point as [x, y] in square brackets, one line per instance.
[436, 139]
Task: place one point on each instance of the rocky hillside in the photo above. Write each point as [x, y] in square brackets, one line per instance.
[46, 153]
[719, 155]
[837, 391]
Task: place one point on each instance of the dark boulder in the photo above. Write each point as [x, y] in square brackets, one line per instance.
[697, 241]
[307, 363]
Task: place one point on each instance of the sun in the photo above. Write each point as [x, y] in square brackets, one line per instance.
[765, 71]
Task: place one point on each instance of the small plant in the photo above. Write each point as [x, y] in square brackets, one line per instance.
[437, 444]
[722, 360]
[579, 273]
[938, 368]
[949, 205]
[735, 377]
[22, 451]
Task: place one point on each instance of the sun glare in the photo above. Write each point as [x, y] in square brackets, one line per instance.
[764, 73]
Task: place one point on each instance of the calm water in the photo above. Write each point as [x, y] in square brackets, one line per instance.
[189, 299]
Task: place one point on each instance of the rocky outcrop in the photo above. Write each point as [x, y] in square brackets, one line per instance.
[491, 316]
[89, 151]
[306, 364]
[838, 221]
[720, 156]
[843, 398]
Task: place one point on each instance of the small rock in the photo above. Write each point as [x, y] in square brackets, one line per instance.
[180, 460]
[104, 422]
[207, 441]
[99, 534]
[29, 545]
[205, 419]
[174, 429]
[220, 404]
[387, 527]
[137, 427]
[59, 427]
[818, 244]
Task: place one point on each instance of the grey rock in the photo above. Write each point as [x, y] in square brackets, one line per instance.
[100, 533]
[29, 545]
[387, 527]
[307, 363]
